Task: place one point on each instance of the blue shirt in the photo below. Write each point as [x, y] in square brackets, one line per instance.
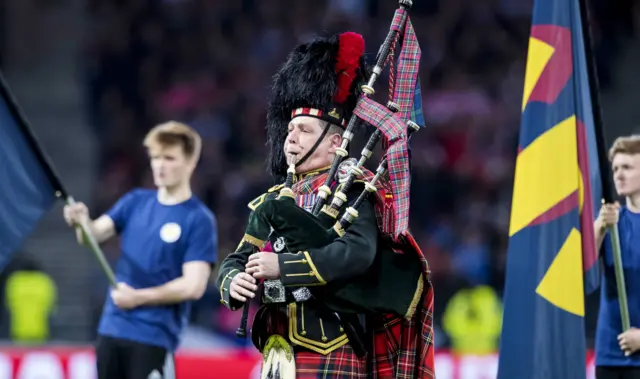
[156, 241]
[608, 351]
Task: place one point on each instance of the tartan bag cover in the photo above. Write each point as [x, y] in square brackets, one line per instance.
[394, 125]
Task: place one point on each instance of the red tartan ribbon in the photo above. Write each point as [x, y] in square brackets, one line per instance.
[397, 17]
[407, 68]
[394, 131]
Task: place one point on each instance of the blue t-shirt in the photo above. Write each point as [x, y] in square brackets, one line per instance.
[608, 351]
[156, 240]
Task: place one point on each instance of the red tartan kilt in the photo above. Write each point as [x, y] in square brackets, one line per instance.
[341, 363]
[404, 348]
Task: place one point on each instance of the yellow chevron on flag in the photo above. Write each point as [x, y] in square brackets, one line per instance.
[547, 172]
[537, 58]
[562, 284]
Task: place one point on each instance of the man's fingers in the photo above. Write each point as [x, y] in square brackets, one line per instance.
[237, 296]
[243, 290]
[247, 284]
[254, 256]
[247, 278]
[259, 275]
[251, 264]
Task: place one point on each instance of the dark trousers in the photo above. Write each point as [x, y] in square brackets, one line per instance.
[123, 359]
[612, 372]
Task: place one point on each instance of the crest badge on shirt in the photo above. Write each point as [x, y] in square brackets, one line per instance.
[279, 245]
[170, 232]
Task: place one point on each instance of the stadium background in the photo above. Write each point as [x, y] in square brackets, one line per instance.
[94, 75]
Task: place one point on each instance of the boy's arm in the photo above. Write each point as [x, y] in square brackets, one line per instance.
[112, 222]
[101, 229]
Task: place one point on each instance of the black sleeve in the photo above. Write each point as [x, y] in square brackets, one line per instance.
[345, 257]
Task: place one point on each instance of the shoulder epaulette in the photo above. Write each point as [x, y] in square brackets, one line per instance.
[275, 188]
[271, 192]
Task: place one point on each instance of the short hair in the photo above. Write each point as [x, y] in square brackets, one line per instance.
[625, 145]
[174, 133]
[335, 129]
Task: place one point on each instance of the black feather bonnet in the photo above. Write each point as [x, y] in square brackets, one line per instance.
[322, 79]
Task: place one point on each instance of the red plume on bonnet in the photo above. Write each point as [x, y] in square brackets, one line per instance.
[350, 50]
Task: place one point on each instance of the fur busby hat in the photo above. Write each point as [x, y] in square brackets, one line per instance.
[320, 79]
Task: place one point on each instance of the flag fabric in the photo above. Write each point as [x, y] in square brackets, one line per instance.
[552, 257]
[27, 191]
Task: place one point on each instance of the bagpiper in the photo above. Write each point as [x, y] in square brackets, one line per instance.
[356, 302]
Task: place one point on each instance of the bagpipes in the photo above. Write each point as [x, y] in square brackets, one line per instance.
[281, 219]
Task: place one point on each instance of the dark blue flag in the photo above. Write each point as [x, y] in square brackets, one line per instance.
[552, 258]
[27, 185]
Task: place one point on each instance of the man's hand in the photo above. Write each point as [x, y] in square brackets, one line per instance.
[629, 341]
[263, 265]
[125, 296]
[75, 214]
[242, 286]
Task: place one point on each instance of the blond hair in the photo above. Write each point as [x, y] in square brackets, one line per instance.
[625, 145]
[174, 133]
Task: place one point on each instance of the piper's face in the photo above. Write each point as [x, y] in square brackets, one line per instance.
[169, 165]
[626, 174]
[304, 131]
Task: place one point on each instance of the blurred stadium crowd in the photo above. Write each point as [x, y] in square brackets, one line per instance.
[209, 64]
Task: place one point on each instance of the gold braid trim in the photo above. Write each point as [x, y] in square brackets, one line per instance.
[314, 270]
[416, 298]
[254, 241]
[222, 289]
[323, 348]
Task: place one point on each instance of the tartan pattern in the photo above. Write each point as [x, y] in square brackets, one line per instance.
[394, 130]
[305, 190]
[341, 363]
[396, 24]
[391, 125]
[409, 56]
[306, 201]
[309, 184]
[383, 205]
[407, 75]
[403, 349]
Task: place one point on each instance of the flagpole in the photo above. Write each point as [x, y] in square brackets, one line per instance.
[45, 162]
[608, 194]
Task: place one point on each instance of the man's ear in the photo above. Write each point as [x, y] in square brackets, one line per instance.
[336, 141]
